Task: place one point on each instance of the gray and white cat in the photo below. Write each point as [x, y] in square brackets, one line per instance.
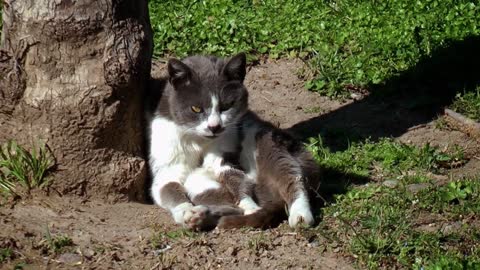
[200, 130]
[192, 131]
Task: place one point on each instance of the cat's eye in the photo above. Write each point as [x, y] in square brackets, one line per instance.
[196, 109]
[225, 107]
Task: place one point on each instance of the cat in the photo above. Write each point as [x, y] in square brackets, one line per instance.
[192, 118]
[192, 176]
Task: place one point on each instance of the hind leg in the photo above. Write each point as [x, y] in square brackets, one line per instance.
[212, 201]
[234, 180]
[241, 188]
[293, 191]
[279, 167]
[299, 209]
[200, 216]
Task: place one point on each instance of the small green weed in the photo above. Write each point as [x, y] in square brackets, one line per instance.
[257, 243]
[20, 167]
[56, 244]
[161, 239]
[455, 198]
[442, 124]
[468, 104]
[313, 110]
[20, 266]
[5, 254]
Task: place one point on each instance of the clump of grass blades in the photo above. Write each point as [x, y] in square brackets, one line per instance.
[20, 167]
[381, 226]
[468, 104]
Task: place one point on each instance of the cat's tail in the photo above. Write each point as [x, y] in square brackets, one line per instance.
[267, 217]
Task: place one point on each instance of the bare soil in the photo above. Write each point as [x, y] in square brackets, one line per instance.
[125, 235]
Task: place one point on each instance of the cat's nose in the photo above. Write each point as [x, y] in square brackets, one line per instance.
[215, 129]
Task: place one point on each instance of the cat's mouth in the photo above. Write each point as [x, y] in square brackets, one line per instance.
[213, 136]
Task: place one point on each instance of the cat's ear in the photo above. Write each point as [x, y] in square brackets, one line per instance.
[235, 68]
[179, 73]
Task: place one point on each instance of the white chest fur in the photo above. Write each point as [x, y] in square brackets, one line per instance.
[169, 146]
[175, 154]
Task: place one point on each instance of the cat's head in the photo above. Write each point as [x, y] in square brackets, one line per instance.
[208, 94]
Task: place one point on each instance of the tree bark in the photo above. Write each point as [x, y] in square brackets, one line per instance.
[73, 75]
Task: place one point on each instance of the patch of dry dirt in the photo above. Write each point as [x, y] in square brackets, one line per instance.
[120, 236]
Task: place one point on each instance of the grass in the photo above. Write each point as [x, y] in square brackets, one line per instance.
[5, 254]
[387, 157]
[468, 104]
[24, 169]
[56, 244]
[162, 239]
[258, 243]
[388, 227]
[348, 42]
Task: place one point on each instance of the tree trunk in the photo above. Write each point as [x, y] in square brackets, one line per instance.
[72, 75]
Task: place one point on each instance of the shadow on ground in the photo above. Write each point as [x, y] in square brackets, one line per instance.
[415, 97]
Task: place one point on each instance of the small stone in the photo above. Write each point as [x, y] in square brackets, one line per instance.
[390, 183]
[432, 227]
[70, 258]
[415, 188]
[437, 177]
[88, 253]
[314, 243]
[451, 228]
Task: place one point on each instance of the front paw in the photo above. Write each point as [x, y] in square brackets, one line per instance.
[300, 213]
[178, 213]
[198, 218]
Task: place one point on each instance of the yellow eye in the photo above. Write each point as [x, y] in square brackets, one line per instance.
[196, 109]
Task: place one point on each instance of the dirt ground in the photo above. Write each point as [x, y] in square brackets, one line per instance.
[125, 235]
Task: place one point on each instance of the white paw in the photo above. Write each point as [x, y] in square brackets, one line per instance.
[300, 212]
[195, 217]
[220, 170]
[248, 205]
[179, 211]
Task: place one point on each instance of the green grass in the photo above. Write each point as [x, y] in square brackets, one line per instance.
[258, 243]
[350, 42]
[55, 244]
[5, 254]
[22, 170]
[161, 239]
[468, 104]
[384, 227]
[390, 157]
